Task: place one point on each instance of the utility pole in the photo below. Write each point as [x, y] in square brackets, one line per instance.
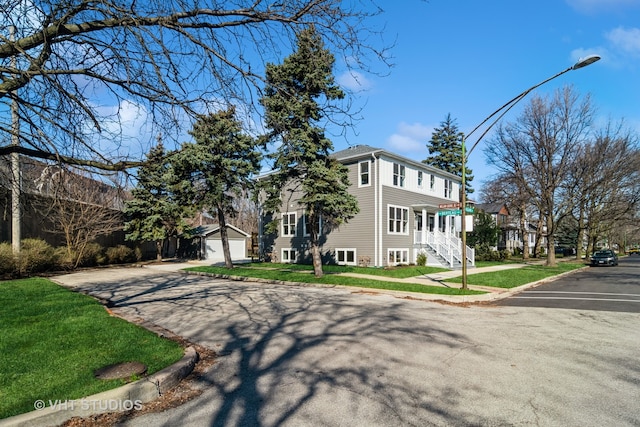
[16, 179]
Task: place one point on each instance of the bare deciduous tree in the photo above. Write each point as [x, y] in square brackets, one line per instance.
[79, 208]
[603, 184]
[84, 69]
[539, 149]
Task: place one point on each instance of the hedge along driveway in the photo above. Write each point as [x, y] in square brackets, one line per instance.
[52, 340]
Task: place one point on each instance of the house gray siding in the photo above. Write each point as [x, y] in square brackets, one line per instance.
[359, 231]
[368, 232]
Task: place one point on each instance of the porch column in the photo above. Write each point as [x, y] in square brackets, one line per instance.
[425, 224]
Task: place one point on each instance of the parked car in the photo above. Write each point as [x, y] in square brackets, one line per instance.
[604, 257]
[633, 251]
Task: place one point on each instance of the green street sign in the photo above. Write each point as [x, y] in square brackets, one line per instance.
[453, 212]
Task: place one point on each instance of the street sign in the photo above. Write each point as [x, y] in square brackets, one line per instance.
[451, 212]
[449, 205]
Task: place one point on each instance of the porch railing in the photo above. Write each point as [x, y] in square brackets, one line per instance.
[446, 246]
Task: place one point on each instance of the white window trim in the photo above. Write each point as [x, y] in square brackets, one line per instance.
[291, 226]
[420, 179]
[405, 255]
[345, 250]
[288, 251]
[432, 182]
[360, 184]
[404, 232]
[305, 233]
[402, 175]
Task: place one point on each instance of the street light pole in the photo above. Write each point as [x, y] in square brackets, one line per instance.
[583, 62]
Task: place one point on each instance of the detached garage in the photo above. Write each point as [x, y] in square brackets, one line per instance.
[212, 243]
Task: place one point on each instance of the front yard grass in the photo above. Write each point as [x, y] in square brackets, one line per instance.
[52, 340]
[518, 276]
[304, 274]
[401, 272]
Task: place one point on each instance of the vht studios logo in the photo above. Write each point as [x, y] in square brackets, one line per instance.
[88, 404]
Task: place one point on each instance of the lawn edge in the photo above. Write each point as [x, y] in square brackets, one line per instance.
[144, 390]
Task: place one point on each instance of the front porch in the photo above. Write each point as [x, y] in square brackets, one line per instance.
[445, 247]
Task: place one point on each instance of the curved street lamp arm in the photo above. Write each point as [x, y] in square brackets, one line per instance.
[509, 105]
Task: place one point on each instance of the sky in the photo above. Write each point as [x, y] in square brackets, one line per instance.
[469, 57]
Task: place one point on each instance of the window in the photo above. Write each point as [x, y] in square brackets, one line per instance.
[306, 227]
[346, 256]
[397, 256]
[398, 220]
[432, 182]
[288, 255]
[289, 224]
[419, 179]
[364, 174]
[398, 175]
[448, 188]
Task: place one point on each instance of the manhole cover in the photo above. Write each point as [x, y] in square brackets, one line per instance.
[120, 370]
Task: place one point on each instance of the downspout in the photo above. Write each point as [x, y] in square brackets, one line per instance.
[375, 212]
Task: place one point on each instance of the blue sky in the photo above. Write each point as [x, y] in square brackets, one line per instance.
[469, 57]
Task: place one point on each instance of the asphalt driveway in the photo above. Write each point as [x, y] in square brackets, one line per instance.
[305, 356]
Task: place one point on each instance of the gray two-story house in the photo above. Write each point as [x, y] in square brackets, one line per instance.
[402, 213]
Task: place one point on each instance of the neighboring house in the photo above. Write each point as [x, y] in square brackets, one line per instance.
[211, 243]
[510, 237]
[41, 184]
[399, 216]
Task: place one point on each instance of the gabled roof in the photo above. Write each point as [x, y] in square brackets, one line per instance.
[354, 152]
[357, 152]
[206, 230]
[365, 151]
[491, 208]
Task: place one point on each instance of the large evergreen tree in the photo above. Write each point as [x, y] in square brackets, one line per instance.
[154, 214]
[445, 150]
[217, 168]
[292, 102]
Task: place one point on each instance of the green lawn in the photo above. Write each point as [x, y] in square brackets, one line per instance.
[517, 276]
[52, 340]
[399, 272]
[303, 274]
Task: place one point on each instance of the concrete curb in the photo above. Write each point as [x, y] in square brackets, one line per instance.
[127, 397]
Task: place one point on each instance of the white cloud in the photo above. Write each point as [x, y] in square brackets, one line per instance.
[626, 40]
[410, 138]
[354, 81]
[622, 48]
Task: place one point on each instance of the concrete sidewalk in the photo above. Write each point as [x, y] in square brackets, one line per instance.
[433, 279]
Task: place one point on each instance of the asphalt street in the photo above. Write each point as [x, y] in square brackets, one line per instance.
[603, 288]
[306, 356]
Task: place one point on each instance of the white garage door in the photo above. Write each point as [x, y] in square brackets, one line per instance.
[214, 250]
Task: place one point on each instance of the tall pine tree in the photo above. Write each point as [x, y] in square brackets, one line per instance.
[217, 168]
[445, 150]
[154, 214]
[293, 112]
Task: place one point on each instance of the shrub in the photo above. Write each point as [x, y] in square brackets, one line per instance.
[421, 259]
[36, 256]
[93, 254]
[7, 260]
[120, 254]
